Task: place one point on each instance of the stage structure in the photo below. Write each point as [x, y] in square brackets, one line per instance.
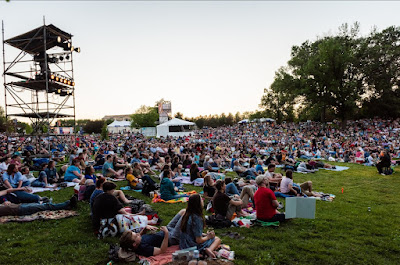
[164, 109]
[39, 79]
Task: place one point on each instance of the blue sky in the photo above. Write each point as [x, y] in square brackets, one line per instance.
[206, 57]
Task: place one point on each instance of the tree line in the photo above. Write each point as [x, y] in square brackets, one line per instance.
[344, 76]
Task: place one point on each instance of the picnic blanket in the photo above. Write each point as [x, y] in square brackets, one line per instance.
[184, 179]
[338, 168]
[157, 198]
[161, 259]
[44, 215]
[37, 189]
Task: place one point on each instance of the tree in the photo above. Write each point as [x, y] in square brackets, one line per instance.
[179, 115]
[381, 68]
[4, 123]
[145, 116]
[93, 126]
[104, 132]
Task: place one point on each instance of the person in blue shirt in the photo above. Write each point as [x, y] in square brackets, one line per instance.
[14, 179]
[73, 172]
[259, 167]
[192, 226]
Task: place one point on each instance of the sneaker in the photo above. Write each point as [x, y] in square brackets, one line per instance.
[73, 202]
[45, 200]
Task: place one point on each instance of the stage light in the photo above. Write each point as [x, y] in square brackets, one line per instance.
[73, 83]
[59, 39]
[57, 78]
[69, 82]
[59, 91]
[61, 80]
[78, 50]
[67, 57]
[52, 77]
[72, 48]
[65, 81]
[61, 58]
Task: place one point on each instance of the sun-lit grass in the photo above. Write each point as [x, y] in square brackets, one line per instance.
[343, 232]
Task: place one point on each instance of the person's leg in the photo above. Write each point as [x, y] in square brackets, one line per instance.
[246, 194]
[27, 197]
[174, 228]
[30, 208]
[212, 247]
[38, 183]
[179, 196]
[306, 186]
[148, 179]
[121, 196]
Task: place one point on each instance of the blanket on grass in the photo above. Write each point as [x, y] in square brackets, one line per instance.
[157, 198]
[161, 259]
[45, 215]
[338, 168]
[37, 189]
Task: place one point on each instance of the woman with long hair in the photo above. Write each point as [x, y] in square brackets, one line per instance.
[194, 172]
[192, 226]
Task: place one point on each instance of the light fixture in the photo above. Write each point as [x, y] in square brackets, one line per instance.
[73, 83]
[61, 58]
[59, 39]
[57, 78]
[78, 50]
[69, 82]
[59, 91]
[61, 80]
[65, 81]
[67, 57]
[72, 48]
[52, 76]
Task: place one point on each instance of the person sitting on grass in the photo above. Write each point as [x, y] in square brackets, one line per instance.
[133, 182]
[41, 181]
[288, 188]
[194, 172]
[139, 174]
[109, 171]
[208, 187]
[10, 209]
[225, 206]
[152, 244]
[51, 172]
[73, 172]
[192, 227]
[88, 183]
[106, 205]
[242, 171]
[266, 203]
[273, 177]
[167, 188]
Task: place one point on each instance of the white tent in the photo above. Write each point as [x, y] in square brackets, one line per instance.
[175, 127]
[244, 121]
[119, 127]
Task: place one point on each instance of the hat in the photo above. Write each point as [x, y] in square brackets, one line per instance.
[260, 178]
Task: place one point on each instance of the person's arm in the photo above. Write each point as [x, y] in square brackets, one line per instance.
[7, 184]
[236, 202]
[275, 204]
[290, 186]
[202, 239]
[122, 211]
[164, 244]
[76, 173]
[19, 184]
[82, 182]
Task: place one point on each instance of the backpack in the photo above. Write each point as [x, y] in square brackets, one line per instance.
[218, 221]
[388, 171]
[147, 188]
[113, 252]
[136, 204]
[108, 228]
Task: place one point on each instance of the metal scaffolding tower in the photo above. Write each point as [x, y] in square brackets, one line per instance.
[39, 81]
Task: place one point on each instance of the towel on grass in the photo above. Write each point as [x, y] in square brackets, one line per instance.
[37, 189]
[157, 198]
[44, 215]
[338, 168]
[161, 259]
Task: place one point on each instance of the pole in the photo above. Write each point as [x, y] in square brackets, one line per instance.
[47, 80]
[73, 91]
[4, 82]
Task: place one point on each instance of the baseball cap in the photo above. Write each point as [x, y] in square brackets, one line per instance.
[260, 178]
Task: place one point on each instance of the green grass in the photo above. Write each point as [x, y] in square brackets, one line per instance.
[343, 232]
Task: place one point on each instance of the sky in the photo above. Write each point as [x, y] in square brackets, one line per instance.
[205, 57]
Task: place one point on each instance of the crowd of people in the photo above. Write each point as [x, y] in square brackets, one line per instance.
[251, 150]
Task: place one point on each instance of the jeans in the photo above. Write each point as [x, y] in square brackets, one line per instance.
[148, 179]
[179, 196]
[231, 189]
[38, 183]
[26, 197]
[30, 208]
[174, 229]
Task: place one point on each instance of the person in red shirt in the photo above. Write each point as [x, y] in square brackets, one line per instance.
[266, 202]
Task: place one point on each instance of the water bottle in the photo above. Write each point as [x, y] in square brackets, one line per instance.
[196, 255]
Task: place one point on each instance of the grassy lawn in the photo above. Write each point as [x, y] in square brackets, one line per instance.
[343, 232]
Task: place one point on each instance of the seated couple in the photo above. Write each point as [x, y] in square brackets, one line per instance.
[185, 229]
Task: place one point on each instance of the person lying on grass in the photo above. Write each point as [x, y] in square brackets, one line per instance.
[266, 203]
[153, 244]
[192, 229]
[10, 209]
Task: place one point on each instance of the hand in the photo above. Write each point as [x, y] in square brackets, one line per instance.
[27, 189]
[210, 234]
[164, 229]
[7, 203]
[151, 228]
